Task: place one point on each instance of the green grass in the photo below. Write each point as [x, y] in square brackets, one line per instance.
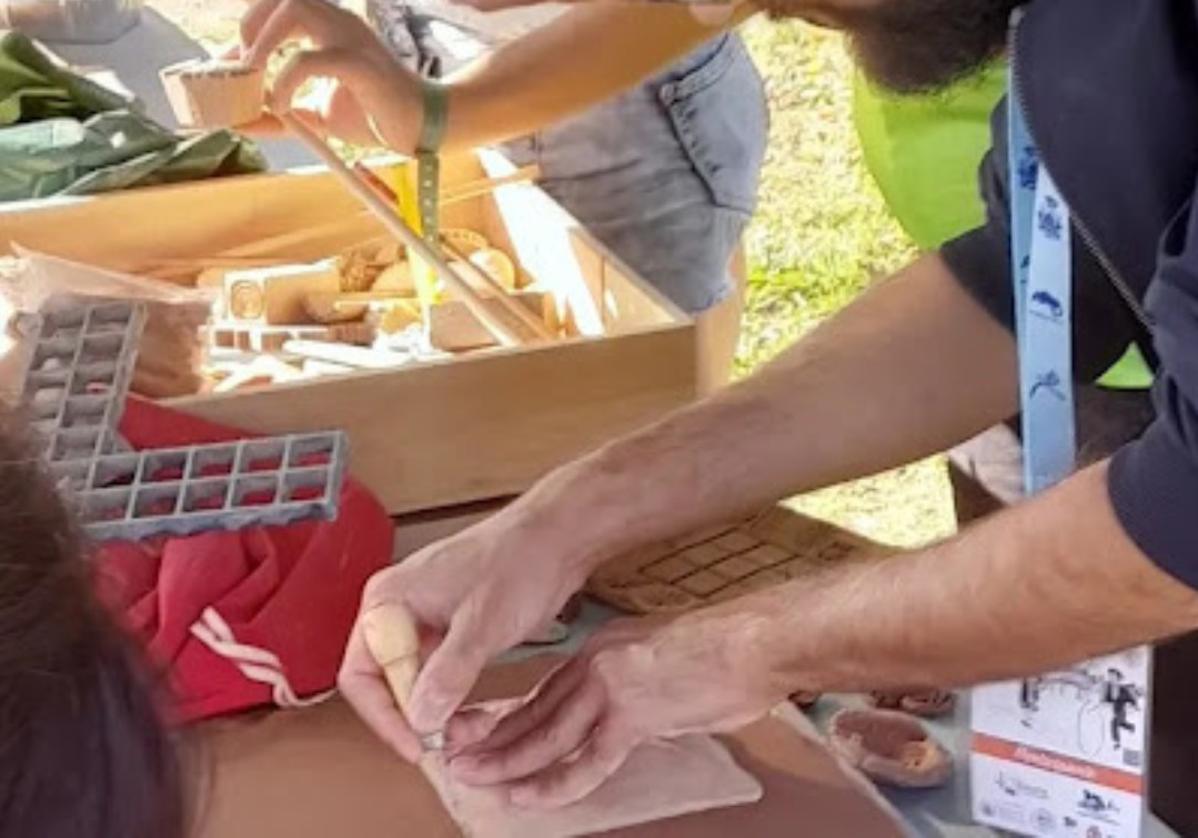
[821, 235]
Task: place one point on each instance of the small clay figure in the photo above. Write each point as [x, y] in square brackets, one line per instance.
[214, 93]
[890, 748]
[927, 703]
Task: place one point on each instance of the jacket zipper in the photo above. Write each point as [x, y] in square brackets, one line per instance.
[1088, 238]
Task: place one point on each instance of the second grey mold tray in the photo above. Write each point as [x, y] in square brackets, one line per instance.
[227, 486]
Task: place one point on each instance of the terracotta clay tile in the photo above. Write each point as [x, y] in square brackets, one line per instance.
[738, 542]
[767, 555]
[796, 568]
[735, 568]
[707, 534]
[669, 570]
[656, 598]
[704, 583]
[619, 578]
[705, 555]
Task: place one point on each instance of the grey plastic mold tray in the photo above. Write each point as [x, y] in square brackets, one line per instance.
[183, 491]
[79, 375]
[75, 389]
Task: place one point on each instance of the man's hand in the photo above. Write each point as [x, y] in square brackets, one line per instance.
[370, 98]
[634, 681]
[473, 596]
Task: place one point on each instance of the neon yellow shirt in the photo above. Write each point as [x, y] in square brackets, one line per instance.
[924, 152]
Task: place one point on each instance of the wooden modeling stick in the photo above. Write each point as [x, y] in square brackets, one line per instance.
[487, 185]
[393, 642]
[367, 194]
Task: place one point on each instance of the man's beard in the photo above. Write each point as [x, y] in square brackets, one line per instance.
[912, 46]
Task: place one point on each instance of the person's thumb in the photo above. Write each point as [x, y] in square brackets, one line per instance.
[449, 674]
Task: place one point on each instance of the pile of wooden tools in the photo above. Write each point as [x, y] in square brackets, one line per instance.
[368, 308]
[363, 309]
[377, 305]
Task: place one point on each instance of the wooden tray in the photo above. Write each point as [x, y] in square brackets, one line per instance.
[726, 562]
[479, 426]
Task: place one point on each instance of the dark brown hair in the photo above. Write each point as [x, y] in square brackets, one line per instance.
[84, 752]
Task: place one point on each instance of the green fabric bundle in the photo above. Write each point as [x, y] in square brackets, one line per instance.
[61, 134]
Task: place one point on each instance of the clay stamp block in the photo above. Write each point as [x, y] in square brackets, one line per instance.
[214, 94]
[276, 296]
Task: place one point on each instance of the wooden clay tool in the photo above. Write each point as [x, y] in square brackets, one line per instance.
[391, 637]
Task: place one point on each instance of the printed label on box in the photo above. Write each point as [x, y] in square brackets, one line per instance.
[1065, 753]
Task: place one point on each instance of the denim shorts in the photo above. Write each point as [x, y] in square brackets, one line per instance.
[666, 173]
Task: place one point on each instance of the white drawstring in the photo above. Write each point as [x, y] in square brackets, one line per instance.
[255, 664]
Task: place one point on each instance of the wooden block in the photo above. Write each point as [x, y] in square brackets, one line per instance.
[214, 93]
[276, 296]
[452, 328]
[331, 307]
[360, 334]
[255, 338]
[346, 307]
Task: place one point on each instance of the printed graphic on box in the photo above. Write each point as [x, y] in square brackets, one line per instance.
[1033, 801]
[1064, 753]
[1096, 711]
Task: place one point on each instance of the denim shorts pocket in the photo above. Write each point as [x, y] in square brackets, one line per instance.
[720, 116]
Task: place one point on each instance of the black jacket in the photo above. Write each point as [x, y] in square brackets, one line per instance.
[1110, 89]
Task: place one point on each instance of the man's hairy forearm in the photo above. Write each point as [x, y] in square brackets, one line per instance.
[568, 65]
[912, 367]
[1037, 584]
